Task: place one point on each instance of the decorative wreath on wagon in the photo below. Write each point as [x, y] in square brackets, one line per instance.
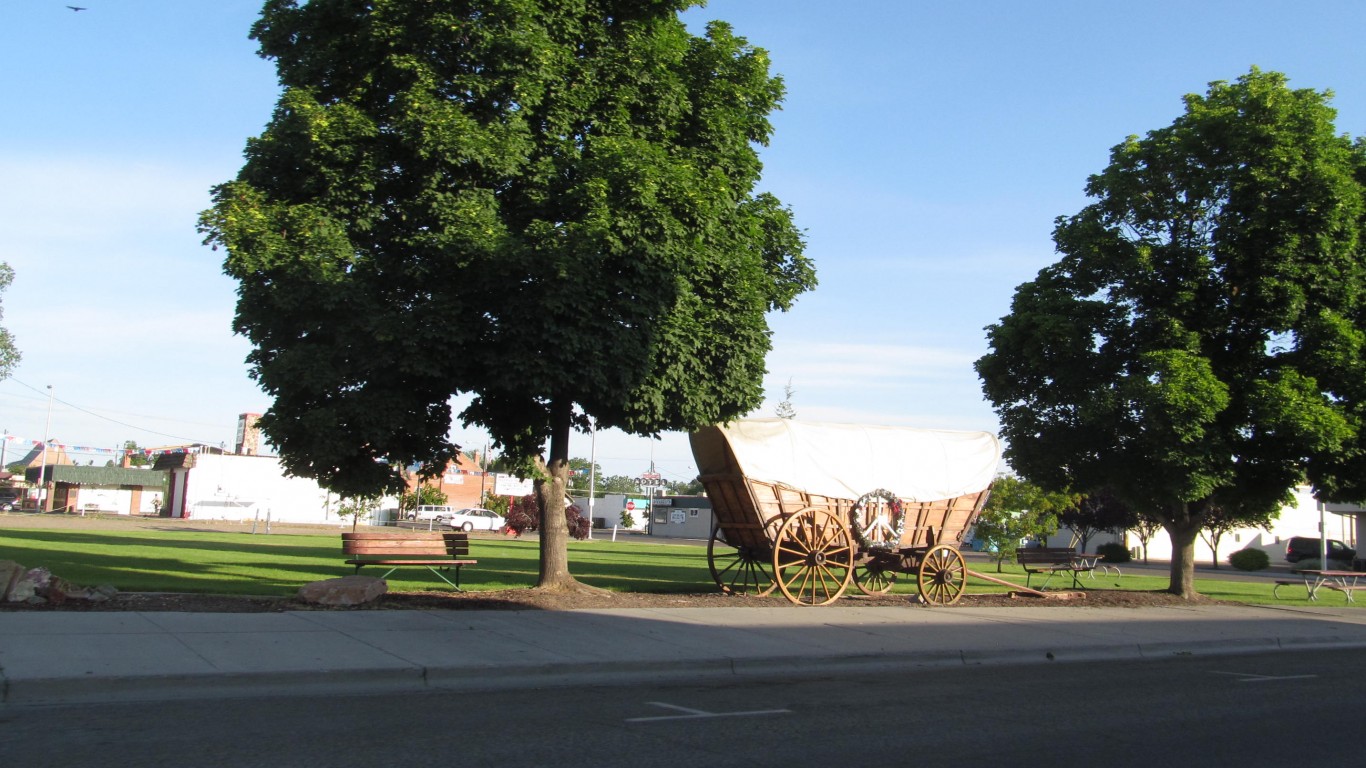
[883, 531]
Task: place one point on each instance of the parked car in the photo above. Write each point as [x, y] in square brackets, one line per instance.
[435, 512]
[474, 519]
[1301, 547]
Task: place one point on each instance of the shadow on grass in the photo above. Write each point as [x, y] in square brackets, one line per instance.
[277, 564]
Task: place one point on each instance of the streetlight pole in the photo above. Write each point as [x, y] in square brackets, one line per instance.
[42, 472]
[592, 475]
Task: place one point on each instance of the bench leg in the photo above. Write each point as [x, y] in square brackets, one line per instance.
[454, 584]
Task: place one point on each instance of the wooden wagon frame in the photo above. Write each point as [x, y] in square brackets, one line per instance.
[786, 517]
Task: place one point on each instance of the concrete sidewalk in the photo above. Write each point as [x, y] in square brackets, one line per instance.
[69, 657]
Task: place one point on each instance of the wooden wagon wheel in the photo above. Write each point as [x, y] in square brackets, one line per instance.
[875, 577]
[742, 569]
[813, 557]
[942, 575]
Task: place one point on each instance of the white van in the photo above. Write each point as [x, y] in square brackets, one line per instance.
[432, 512]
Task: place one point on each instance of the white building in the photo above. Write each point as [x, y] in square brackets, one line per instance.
[206, 486]
[1299, 518]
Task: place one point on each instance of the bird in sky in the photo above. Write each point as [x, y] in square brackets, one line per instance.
[76, 8]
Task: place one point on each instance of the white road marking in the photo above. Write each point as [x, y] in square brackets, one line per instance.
[1245, 677]
[698, 714]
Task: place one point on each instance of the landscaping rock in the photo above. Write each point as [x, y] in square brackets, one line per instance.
[10, 572]
[33, 583]
[37, 586]
[347, 590]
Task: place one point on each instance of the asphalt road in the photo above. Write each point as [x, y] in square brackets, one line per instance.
[1279, 709]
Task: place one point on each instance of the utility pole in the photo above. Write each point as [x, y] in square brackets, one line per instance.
[44, 501]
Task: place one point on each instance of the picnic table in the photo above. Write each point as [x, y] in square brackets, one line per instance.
[1345, 582]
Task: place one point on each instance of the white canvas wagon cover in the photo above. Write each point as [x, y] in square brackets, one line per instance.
[849, 460]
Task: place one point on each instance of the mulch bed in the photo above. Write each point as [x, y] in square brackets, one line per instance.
[536, 599]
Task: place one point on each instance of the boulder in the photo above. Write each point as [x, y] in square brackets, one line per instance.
[38, 586]
[347, 590]
[33, 583]
[10, 572]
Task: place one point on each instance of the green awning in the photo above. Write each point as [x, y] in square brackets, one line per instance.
[74, 475]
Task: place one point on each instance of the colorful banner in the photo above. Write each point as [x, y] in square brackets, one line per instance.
[148, 452]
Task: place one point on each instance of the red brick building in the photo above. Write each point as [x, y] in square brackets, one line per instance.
[463, 482]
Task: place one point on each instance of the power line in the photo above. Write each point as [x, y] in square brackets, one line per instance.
[111, 420]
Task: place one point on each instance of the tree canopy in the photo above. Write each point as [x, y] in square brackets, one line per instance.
[1018, 510]
[9, 352]
[548, 205]
[1193, 344]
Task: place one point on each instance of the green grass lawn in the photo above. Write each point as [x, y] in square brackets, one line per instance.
[278, 564]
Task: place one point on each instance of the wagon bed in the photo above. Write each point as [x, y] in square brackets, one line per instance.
[810, 508]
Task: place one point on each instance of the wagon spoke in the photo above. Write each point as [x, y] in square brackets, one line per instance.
[810, 550]
[874, 579]
[942, 576]
[738, 568]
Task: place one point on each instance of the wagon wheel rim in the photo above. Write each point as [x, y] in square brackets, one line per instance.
[874, 578]
[943, 575]
[813, 557]
[740, 570]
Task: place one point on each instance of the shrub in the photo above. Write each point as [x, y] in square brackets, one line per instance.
[1250, 560]
[524, 517]
[1307, 564]
[1114, 552]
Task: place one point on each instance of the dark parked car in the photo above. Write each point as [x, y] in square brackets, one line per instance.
[1302, 547]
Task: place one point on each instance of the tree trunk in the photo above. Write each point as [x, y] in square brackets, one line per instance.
[1183, 529]
[550, 491]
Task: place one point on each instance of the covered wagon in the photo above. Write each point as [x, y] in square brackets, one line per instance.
[810, 508]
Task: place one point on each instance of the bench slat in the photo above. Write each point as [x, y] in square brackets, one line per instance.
[407, 561]
[452, 548]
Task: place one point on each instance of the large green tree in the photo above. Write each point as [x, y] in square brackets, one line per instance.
[9, 353]
[547, 204]
[1183, 351]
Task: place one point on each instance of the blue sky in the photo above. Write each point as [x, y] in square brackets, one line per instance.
[926, 149]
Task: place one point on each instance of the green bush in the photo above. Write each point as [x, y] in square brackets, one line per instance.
[1114, 552]
[1250, 560]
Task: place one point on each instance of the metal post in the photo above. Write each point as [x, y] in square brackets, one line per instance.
[42, 472]
[1323, 536]
[483, 472]
[592, 474]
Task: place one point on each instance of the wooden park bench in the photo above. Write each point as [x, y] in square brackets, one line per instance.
[1054, 560]
[435, 551]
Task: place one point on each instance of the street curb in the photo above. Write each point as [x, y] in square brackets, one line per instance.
[149, 688]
